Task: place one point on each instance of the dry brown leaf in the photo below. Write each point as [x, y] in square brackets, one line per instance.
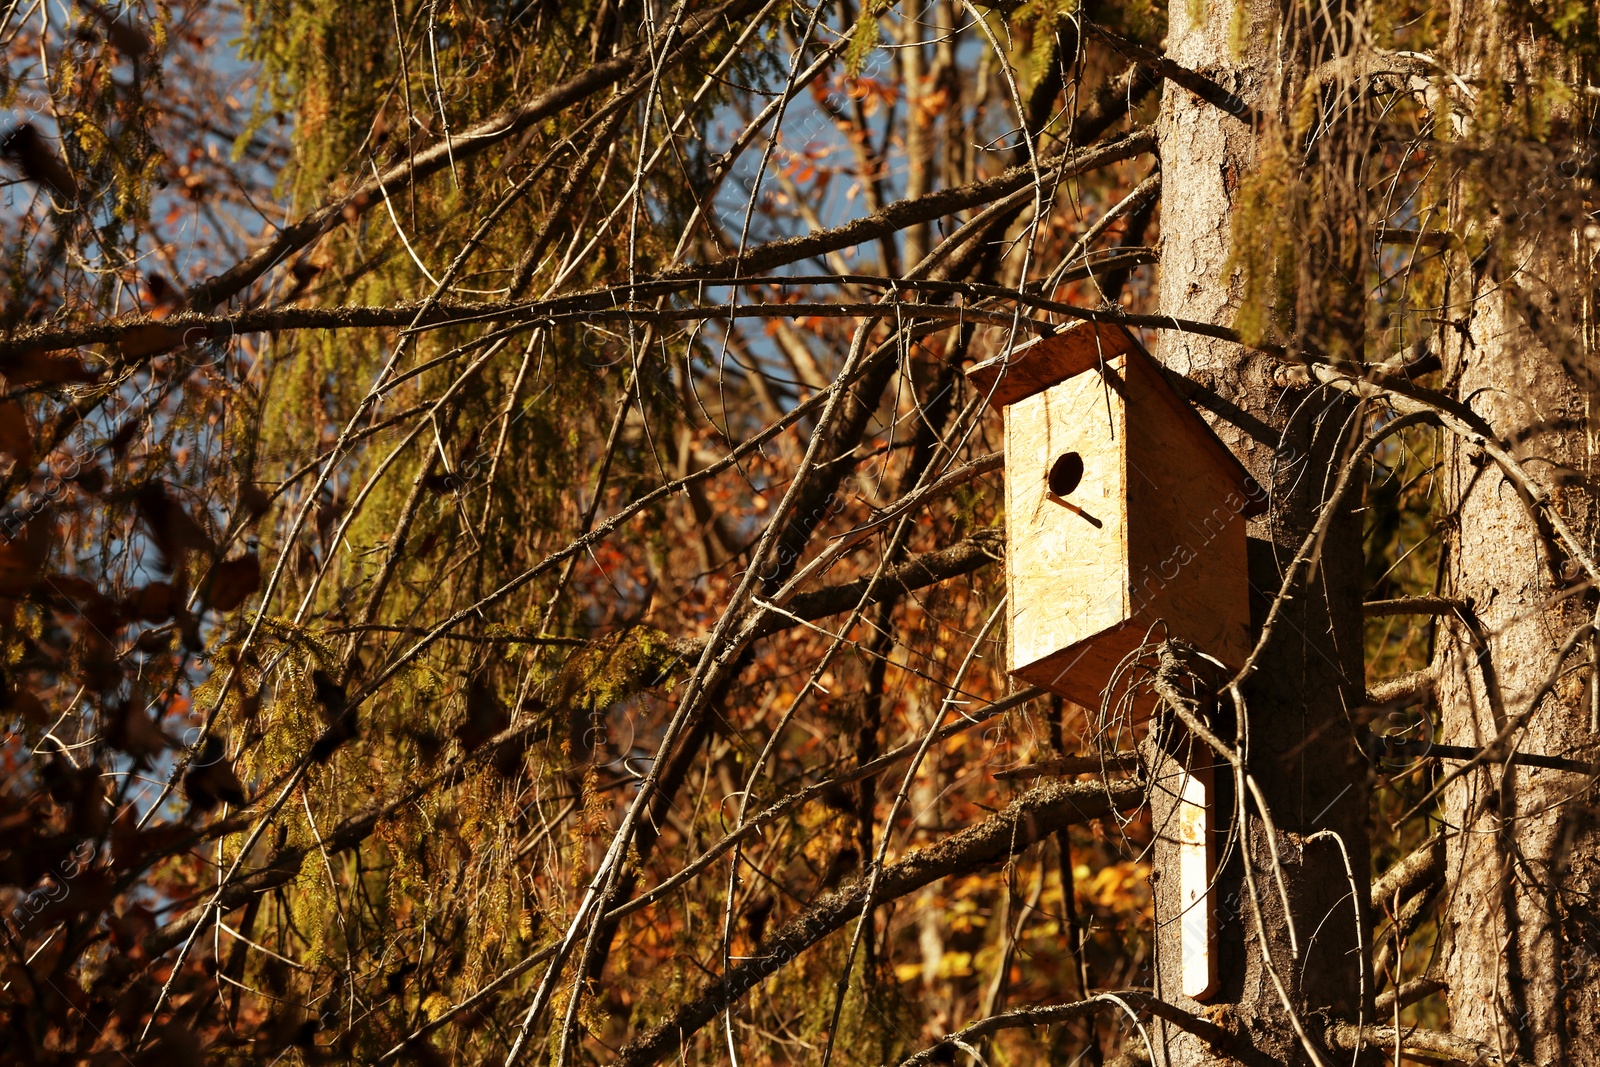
[156, 602]
[233, 580]
[22, 559]
[38, 161]
[148, 339]
[173, 529]
[45, 368]
[16, 436]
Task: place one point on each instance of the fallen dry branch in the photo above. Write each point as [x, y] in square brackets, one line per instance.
[1431, 1044]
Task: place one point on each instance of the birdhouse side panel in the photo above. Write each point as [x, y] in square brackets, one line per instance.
[1066, 552]
[1186, 545]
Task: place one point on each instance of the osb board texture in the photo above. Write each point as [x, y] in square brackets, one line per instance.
[1033, 367]
[1067, 570]
[1205, 439]
[1083, 671]
[1186, 528]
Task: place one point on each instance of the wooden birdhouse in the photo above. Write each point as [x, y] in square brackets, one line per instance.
[1125, 524]
[1125, 515]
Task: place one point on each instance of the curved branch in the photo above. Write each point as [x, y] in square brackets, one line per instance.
[929, 568]
[904, 213]
[1140, 1000]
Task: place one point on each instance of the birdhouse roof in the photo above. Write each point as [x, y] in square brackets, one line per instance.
[1041, 363]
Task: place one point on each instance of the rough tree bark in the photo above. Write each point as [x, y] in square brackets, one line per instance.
[1519, 925]
[1296, 736]
[1523, 853]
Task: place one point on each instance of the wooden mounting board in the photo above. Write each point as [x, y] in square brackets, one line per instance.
[1196, 868]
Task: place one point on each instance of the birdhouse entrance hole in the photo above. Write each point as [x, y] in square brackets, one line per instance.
[1065, 473]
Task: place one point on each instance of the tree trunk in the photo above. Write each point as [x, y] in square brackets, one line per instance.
[1516, 916]
[1519, 924]
[1295, 734]
[1523, 853]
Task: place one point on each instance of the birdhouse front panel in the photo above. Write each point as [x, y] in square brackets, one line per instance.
[1066, 530]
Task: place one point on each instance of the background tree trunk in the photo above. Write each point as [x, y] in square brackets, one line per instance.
[1519, 921]
[1519, 924]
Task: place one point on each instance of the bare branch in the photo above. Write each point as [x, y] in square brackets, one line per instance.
[1139, 1000]
[1405, 689]
[419, 165]
[1028, 819]
[1409, 993]
[1112, 763]
[1411, 874]
[1412, 605]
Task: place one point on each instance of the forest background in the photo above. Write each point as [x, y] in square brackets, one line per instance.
[501, 560]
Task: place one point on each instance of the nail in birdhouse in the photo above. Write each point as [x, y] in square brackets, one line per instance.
[1125, 515]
